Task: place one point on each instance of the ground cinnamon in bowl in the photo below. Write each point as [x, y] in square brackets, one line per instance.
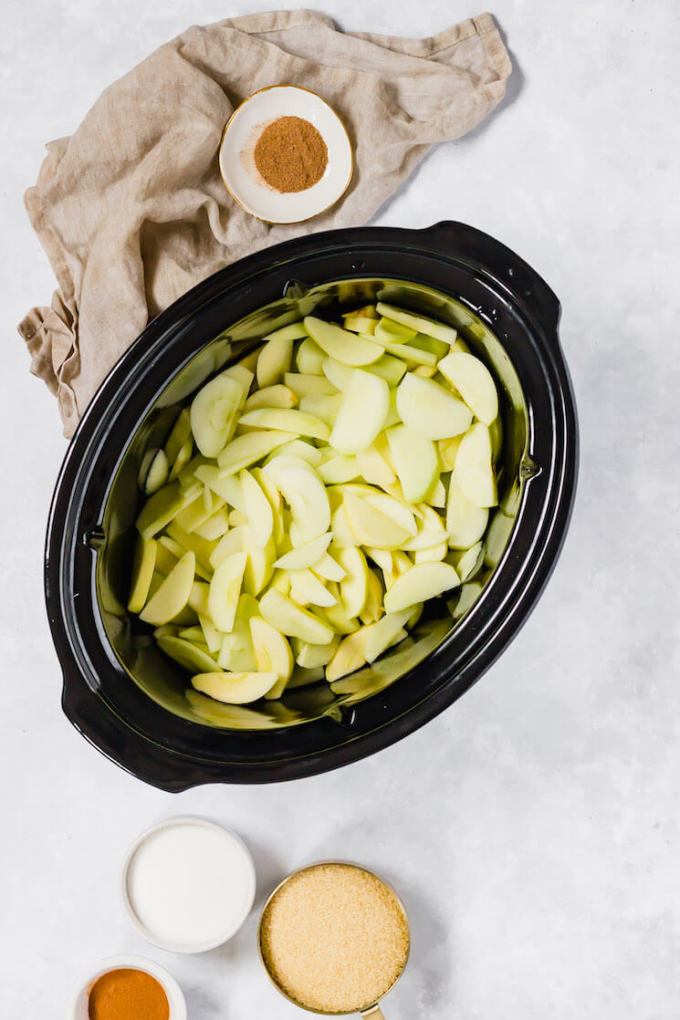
[127, 994]
[290, 154]
[334, 938]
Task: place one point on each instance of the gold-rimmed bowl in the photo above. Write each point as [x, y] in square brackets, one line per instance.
[368, 1010]
[237, 162]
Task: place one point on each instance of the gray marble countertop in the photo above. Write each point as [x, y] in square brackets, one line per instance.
[533, 827]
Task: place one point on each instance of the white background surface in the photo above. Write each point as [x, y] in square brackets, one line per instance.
[532, 828]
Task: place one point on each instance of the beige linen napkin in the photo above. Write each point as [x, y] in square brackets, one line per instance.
[131, 209]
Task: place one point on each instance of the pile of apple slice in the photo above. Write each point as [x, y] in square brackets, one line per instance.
[312, 498]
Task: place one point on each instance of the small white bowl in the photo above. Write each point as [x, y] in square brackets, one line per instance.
[178, 1007]
[237, 165]
[233, 844]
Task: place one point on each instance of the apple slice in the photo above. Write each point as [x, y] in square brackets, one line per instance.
[304, 555]
[359, 324]
[293, 331]
[234, 688]
[465, 522]
[415, 460]
[236, 652]
[473, 472]
[215, 526]
[322, 405]
[339, 469]
[448, 448]
[305, 494]
[327, 568]
[143, 564]
[373, 607]
[307, 590]
[342, 345]
[233, 542]
[258, 510]
[348, 657]
[246, 450]
[272, 653]
[211, 635]
[259, 564]
[362, 414]
[313, 656]
[469, 594]
[160, 509]
[271, 396]
[394, 508]
[469, 561]
[354, 585]
[286, 420]
[370, 526]
[377, 637]
[420, 323]
[304, 384]
[292, 620]
[179, 433]
[225, 589]
[474, 382]
[153, 471]
[309, 357]
[429, 410]
[173, 594]
[375, 466]
[186, 653]
[301, 448]
[387, 331]
[214, 414]
[274, 361]
[422, 582]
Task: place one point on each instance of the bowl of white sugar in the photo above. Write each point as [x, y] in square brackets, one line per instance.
[188, 884]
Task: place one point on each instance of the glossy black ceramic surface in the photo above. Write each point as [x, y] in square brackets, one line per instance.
[453, 272]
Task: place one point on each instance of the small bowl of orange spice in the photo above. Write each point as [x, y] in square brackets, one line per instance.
[129, 988]
[285, 155]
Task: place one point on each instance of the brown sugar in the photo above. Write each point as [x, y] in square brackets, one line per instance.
[290, 154]
[334, 938]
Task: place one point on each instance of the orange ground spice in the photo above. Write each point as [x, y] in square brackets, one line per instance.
[290, 154]
[127, 994]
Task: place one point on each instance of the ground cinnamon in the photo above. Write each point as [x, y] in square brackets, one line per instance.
[290, 154]
[127, 994]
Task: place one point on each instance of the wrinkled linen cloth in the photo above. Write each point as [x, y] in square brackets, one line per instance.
[132, 211]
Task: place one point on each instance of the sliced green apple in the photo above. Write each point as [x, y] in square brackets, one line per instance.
[415, 460]
[214, 414]
[304, 384]
[292, 620]
[271, 396]
[354, 585]
[342, 345]
[234, 688]
[304, 555]
[306, 589]
[465, 522]
[286, 420]
[362, 414]
[310, 357]
[173, 594]
[272, 653]
[429, 410]
[274, 361]
[422, 582]
[370, 526]
[246, 450]
[188, 655]
[420, 323]
[313, 656]
[258, 509]
[473, 472]
[225, 589]
[143, 564]
[474, 382]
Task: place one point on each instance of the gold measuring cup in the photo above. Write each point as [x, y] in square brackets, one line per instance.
[370, 1010]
